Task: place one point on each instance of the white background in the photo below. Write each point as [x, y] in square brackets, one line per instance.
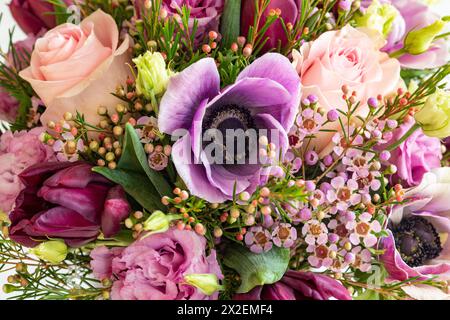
[442, 7]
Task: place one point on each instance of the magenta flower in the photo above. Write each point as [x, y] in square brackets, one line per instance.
[33, 15]
[414, 247]
[67, 201]
[299, 285]
[206, 12]
[290, 12]
[154, 268]
[416, 156]
[265, 97]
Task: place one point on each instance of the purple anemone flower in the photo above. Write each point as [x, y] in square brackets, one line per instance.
[417, 245]
[265, 97]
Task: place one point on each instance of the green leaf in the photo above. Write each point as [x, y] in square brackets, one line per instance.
[256, 269]
[231, 22]
[368, 295]
[133, 173]
[142, 190]
[135, 159]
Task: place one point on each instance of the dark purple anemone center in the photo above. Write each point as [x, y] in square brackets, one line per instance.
[232, 122]
[416, 240]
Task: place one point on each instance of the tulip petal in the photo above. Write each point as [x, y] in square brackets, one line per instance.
[75, 176]
[116, 209]
[87, 201]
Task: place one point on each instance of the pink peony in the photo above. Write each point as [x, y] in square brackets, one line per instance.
[154, 268]
[345, 57]
[19, 151]
[75, 68]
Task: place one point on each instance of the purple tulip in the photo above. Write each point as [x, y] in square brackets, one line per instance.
[33, 15]
[67, 201]
[265, 96]
[298, 285]
[290, 11]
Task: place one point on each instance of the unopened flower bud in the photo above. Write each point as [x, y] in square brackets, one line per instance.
[153, 76]
[419, 41]
[159, 222]
[208, 284]
[53, 251]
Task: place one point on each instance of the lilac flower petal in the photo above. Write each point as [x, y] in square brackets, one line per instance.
[279, 69]
[254, 93]
[225, 181]
[193, 175]
[185, 93]
[196, 130]
[394, 263]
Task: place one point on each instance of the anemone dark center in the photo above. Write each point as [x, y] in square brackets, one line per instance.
[230, 120]
[417, 240]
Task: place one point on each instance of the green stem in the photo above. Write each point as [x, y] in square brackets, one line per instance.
[398, 53]
[110, 243]
[405, 136]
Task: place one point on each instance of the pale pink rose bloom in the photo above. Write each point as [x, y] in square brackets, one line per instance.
[19, 151]
[75, 68]
[345, 57]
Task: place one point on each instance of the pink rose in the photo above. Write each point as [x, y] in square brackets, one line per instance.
[75, 68]
[19, 151]
[345, 57]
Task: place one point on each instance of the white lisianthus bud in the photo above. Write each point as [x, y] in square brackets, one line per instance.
[158, 222]
[434, 117]
[153, 76]
[53, 251]
[206, 283]
[419, 41]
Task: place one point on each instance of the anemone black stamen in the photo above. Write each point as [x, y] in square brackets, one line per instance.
[416, 240]
[218, 117]
[230, 117]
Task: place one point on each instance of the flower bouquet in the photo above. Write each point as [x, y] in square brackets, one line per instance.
[225, 149]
